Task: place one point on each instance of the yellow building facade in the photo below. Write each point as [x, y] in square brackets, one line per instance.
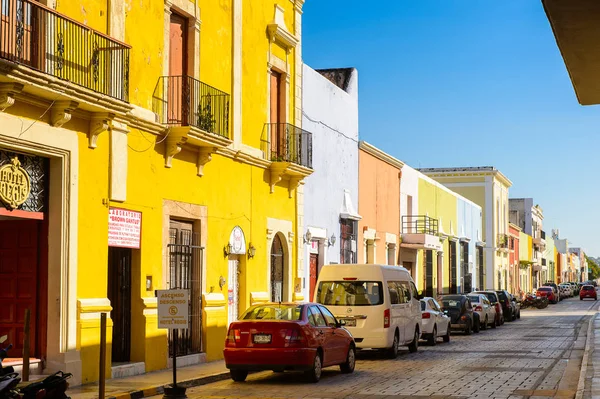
[163, 149]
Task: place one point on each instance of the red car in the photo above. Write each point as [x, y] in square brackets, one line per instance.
[549, 293]
[588, 291]
[288, 336]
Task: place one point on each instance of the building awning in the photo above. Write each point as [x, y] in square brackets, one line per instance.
[348, 211]
[425, 246]
[576, 28]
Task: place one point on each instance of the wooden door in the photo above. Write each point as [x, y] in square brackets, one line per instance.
[178, 88]
[314, 264]
[119, 294]
[19, 266]
[277, 128]
[277, 271]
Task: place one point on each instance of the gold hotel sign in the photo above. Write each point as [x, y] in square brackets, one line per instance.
[15, 185]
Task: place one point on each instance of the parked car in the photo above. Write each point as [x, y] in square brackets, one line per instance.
[547, 292]
[555, 289]
[517, 305]
[486, 311]
[460, 310]
[379, 304]
[508, 307]
[288, 336]
[566, 290]
[495, 301]
[574, 287]
[588, 291]
[435, 322]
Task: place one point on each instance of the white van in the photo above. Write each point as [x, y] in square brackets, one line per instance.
[379, 304]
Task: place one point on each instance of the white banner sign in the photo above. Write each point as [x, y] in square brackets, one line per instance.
[173, 309]
[124, 228]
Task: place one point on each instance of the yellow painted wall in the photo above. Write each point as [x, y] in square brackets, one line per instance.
[438, 203]
[233, 192]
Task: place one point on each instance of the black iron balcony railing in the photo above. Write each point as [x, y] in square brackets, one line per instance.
[283, 142]
[39, 37]
[416, 224]
[502, 240]
[185, 101]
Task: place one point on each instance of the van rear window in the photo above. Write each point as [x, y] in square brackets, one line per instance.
[350, 293]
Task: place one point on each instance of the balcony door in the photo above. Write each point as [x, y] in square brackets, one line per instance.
[277, 115]
[178, 96]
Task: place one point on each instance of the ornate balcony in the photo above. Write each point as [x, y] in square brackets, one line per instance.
[502, 241]
[185, 101]
[289, 148]
[197, 115]
[44, 40]
[420, 232]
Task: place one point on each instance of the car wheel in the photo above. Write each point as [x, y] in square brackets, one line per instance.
[432, 340]
[485, 324]
[502, 321]
[495, 323]
[447, 336]
[581, 299]
[314, 374]
[238, 375]
[348, 366]
[519, 314]
[468, 328]
[414, 345]
[476, 326]
[392, 352]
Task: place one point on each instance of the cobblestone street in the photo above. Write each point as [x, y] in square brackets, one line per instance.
[538, 356]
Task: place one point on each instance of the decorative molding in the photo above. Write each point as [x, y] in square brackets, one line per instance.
[377, 153]
[277, 172]
[174, 146]
[291, 237]
[99, 123]
[269, 234]
[294, 183]
[61, 112]
[8, 92]
[204, 157]
[278, 31]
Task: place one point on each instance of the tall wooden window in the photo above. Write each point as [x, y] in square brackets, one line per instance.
[347, 241]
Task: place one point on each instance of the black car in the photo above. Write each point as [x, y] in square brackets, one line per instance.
[462, 316]
[508, 307]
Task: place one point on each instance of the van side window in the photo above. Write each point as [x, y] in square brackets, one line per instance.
[413, 289]
[394, 297]
[406, 291]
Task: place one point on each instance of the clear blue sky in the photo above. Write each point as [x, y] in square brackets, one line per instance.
[469, 83]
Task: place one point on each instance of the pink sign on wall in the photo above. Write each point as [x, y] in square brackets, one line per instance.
[124, 228]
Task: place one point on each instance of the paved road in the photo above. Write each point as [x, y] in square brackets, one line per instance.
[538, 356]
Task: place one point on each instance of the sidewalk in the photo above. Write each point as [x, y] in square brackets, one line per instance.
[591, 383]
[150, 384]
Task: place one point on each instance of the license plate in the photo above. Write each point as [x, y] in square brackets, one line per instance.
[262, 338]
[350, 322]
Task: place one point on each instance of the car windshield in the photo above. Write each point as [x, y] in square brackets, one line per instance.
[423, 306]
[448, 303]
[545, 289]
[492, 297]
[350, 293]
[273, 312]
[473, 298]
[501, 295]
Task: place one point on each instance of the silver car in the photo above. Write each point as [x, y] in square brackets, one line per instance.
[485, 310]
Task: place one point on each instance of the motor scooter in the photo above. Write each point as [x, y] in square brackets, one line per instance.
[52, 387]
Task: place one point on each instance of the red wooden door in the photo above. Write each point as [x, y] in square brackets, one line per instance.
[314, 261]
[178, 104]
[19, 279]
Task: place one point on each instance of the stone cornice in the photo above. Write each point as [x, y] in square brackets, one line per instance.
[495, 173]
[377, 153]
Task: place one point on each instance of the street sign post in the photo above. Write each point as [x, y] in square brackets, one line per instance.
[173, 314]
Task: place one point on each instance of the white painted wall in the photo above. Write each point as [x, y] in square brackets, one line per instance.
[331, 115]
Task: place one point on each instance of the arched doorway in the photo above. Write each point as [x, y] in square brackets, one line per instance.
[277, 270]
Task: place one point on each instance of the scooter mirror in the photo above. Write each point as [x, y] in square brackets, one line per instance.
[3, 338]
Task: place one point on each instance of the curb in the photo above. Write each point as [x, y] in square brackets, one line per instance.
[160, 389]
[585, 359]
